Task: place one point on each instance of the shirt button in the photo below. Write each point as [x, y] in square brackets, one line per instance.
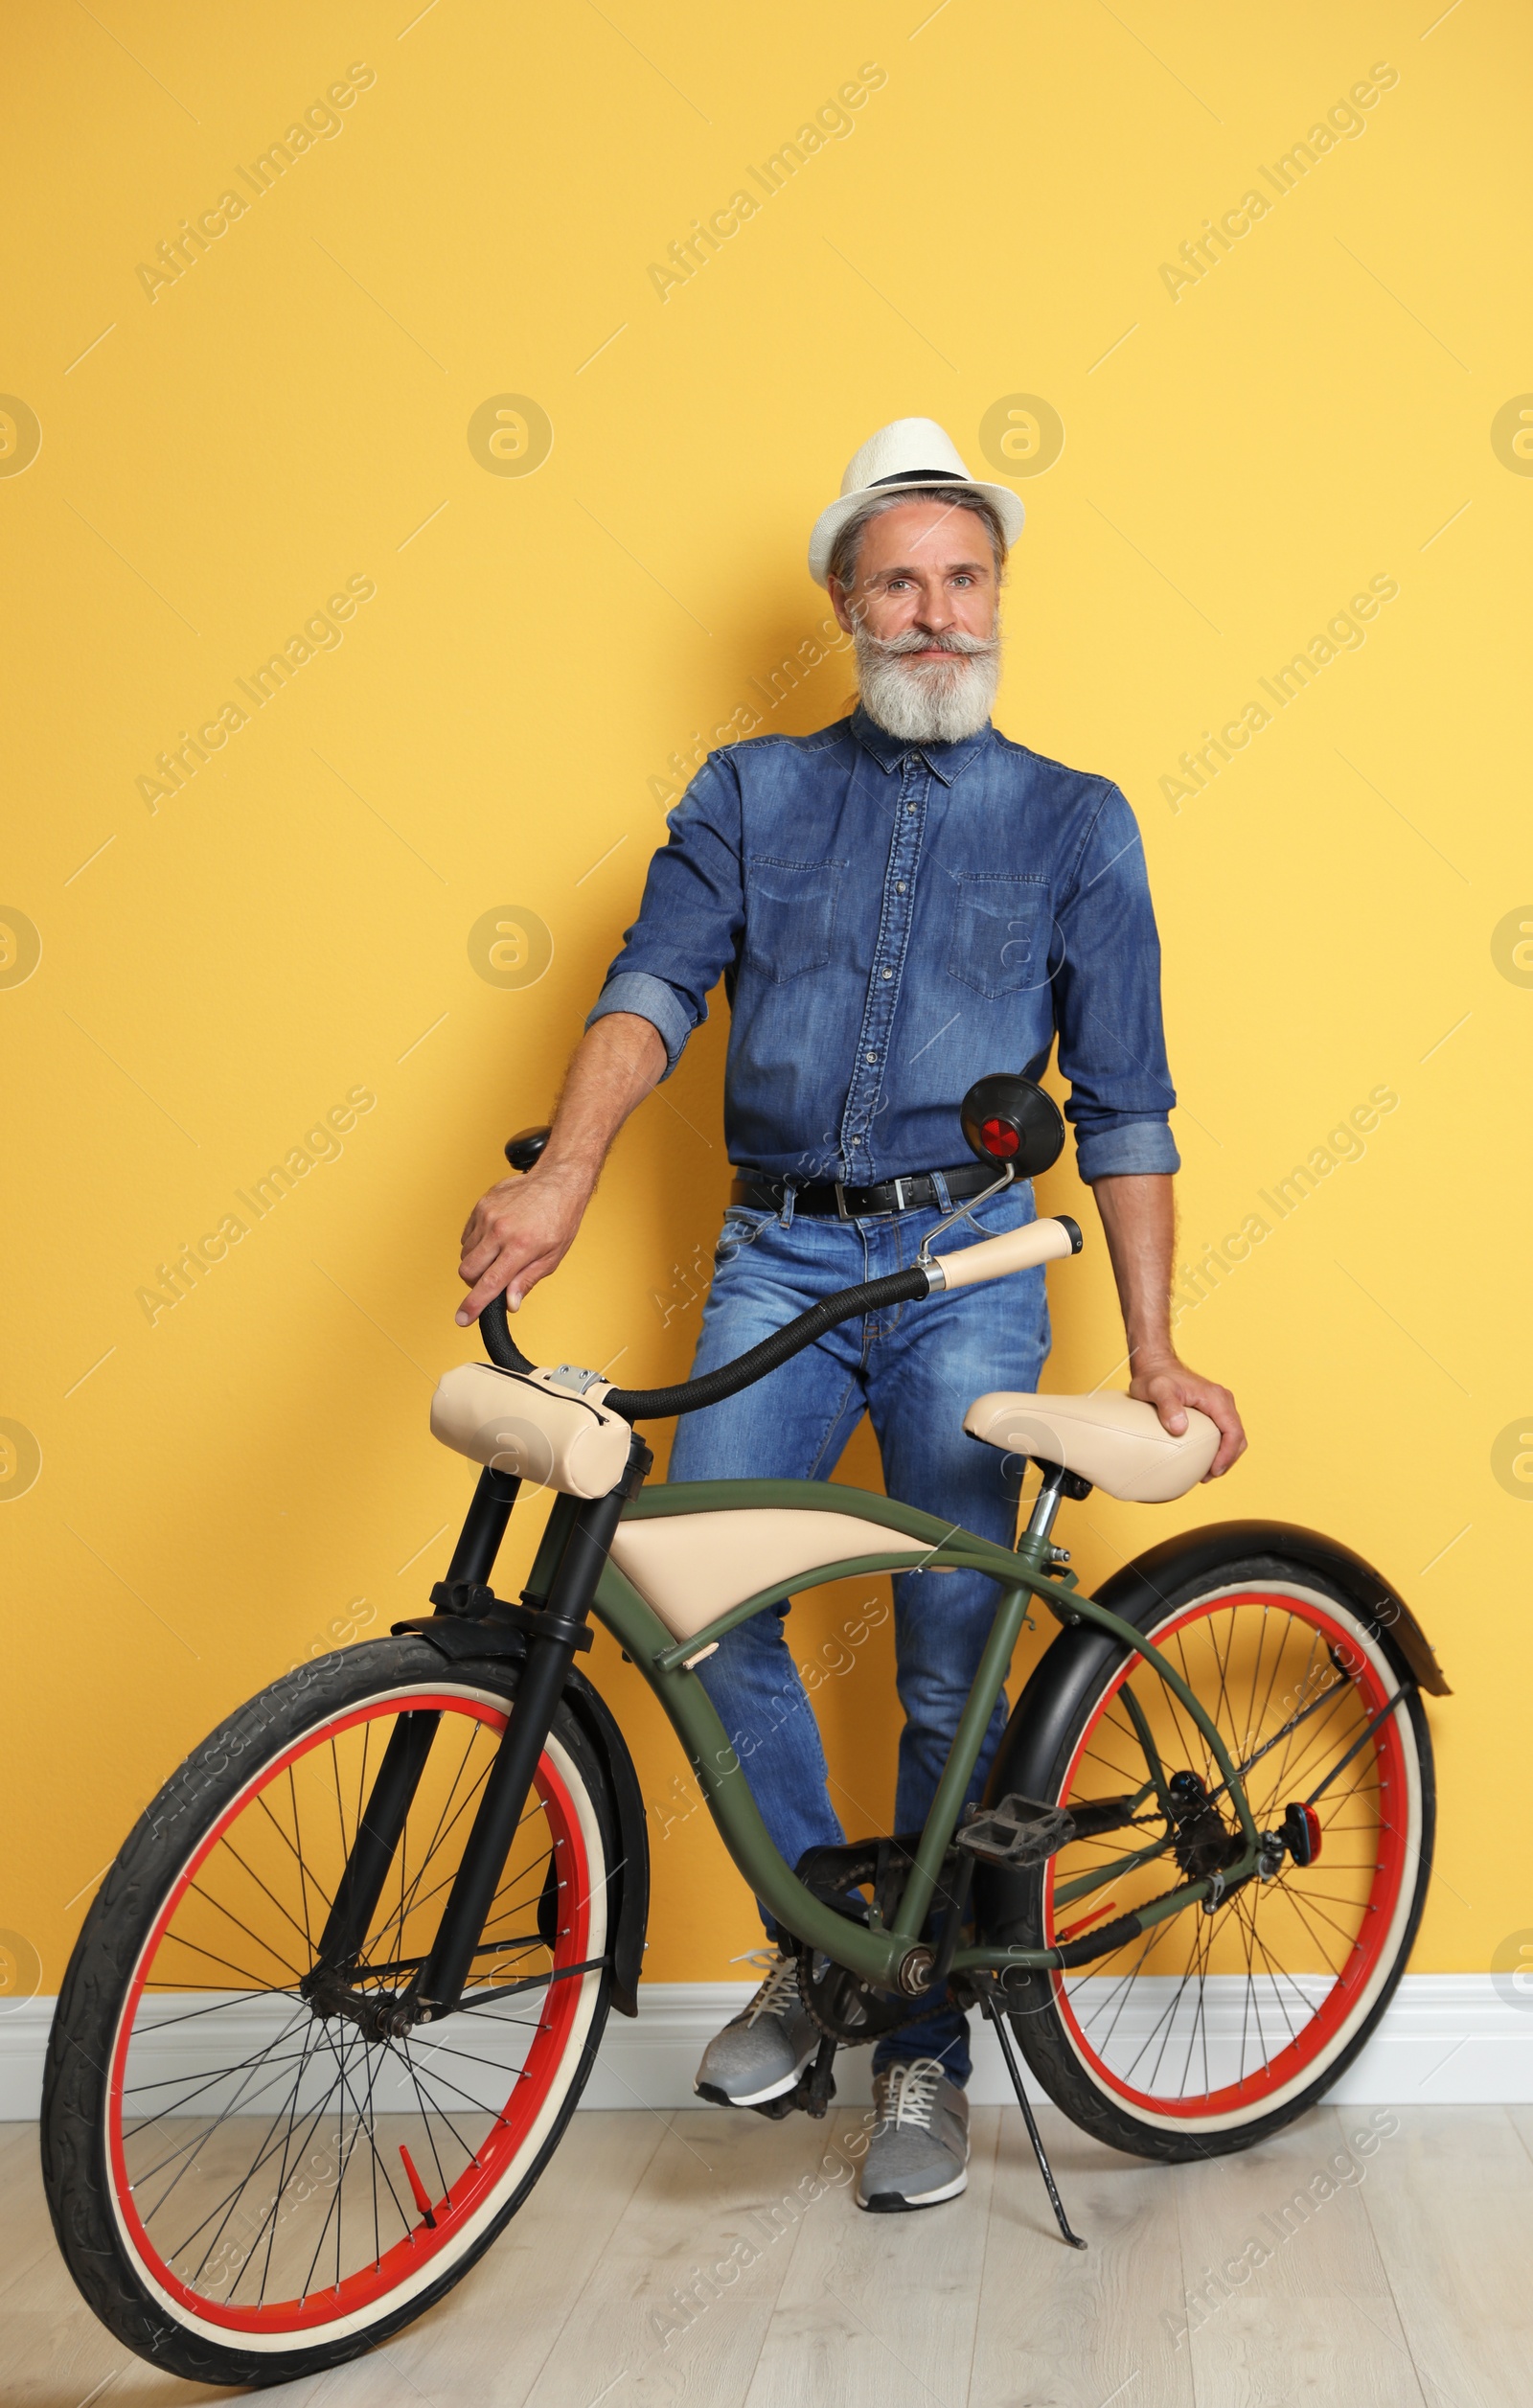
[873, 1057]
[888, 974]
[900, 889]
[910, 807]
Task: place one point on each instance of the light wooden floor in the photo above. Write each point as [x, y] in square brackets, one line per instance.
[1410, 2289]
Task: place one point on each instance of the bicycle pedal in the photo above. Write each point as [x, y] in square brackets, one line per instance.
[1018, 1832]
[775, 2109]
[811, 2091]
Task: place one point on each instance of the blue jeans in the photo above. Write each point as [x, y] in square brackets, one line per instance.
[915, 1371]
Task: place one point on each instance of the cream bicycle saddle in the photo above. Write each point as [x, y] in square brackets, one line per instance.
[1110, 1439]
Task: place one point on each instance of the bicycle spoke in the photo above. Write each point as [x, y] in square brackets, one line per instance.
[1249, 2001]
[1222, 1664]
[1279, 1779]
[1301, 1909]
[445, 1883]
[195, 1890]
[237, 1999]
[408, 2062]
[1125, 1985]
[264, 2061]
[438, 1837]
[251, 1980]
[145, 2122]
[303, 1867]
[1281, 1975]
[1251, 1724]
[305, 1876]
[227, 1845]
[1294, 1776]
[338, 2197]
[340, 1812]
[1114, 1771]
[1200, 2029]
[372, 2062]
[231, 2198]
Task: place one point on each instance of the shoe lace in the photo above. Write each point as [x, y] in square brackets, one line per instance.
[911, 2095]
[778, 1990]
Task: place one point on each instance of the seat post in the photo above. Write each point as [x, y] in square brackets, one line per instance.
[1047, 1504]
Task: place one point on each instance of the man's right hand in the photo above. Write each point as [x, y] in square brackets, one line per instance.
[524, 1226]
[517, 1232]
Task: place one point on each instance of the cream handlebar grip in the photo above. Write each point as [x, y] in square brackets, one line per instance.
[1019, 1249]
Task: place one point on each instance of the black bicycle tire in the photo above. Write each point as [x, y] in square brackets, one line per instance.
[1039, 2028]
[74, 2123]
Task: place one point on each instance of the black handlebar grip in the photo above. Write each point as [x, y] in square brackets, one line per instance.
[500, 1346]
[522, 1151]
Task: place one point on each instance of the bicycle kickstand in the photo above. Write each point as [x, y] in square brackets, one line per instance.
[997, 2020]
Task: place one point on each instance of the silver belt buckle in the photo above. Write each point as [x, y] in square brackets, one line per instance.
[841, 1212]
[898, 1184]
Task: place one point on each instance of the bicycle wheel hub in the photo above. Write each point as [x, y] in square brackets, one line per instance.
[1206, 1844]
[378, 2014]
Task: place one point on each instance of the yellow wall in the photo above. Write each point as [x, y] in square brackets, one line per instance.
[223, 964]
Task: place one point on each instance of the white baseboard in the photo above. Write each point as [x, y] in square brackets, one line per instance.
[1448, 2039]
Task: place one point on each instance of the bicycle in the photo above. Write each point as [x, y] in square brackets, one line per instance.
[338, 1996]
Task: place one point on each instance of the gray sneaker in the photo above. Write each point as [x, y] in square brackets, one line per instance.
[764, 2050]
[919, 2151]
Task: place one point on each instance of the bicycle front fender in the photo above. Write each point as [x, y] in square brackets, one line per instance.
[632, 1872]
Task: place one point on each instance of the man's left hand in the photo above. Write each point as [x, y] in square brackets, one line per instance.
[1171, 1388]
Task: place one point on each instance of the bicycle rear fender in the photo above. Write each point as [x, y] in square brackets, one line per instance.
[1079, 1656]
[461, 1640]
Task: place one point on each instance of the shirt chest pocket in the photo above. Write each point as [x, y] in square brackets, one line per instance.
[1000, 932]
[789, 914]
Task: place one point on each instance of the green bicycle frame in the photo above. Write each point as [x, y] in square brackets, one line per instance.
[877, 1952]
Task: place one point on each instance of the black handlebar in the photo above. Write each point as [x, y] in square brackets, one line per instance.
[690, 1396]
[1006, 1120]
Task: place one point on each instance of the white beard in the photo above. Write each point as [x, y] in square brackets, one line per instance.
[929, 701]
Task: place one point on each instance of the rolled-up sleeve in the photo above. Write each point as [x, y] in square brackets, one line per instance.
[1106, 1002]
[690, 919]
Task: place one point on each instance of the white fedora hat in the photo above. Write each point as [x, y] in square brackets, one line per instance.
[911, 451]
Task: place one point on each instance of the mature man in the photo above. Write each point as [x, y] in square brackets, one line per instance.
[896, 905]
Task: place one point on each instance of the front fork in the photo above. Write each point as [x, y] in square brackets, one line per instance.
[556, 1627]
[550, 1654]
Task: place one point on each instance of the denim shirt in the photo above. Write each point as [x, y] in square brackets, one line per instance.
[891, 922]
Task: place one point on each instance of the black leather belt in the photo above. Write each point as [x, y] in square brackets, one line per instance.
[916, 1193]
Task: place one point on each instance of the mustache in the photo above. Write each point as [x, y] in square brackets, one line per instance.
[940, 701]
[916, 639]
